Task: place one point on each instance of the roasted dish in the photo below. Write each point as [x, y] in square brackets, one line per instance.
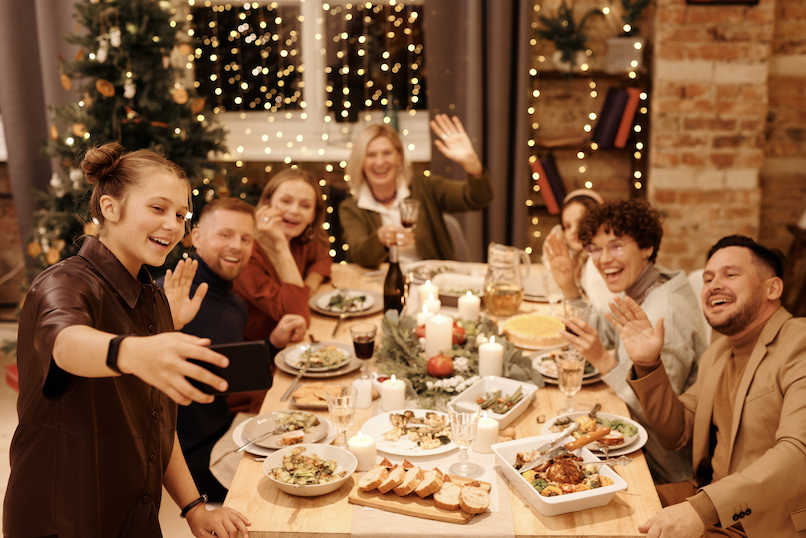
[561, 476]
[305, 470]
[431, 431]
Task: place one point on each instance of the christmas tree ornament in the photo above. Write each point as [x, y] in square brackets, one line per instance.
[166, 62]
[59, 245]
[54, 132]
[53, 256]
[180, 95]
[88, 99]
[34, 249]
[185, 49]
[129, 89]
[76, 176]
[114, 36]
[104, 87]
[103, 49]
[197, 105]
[80, 55]
[67, 83]
[79, 129]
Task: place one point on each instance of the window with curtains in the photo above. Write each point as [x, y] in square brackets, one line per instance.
[318, 68]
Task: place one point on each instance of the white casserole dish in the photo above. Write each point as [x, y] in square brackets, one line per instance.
[492, 383]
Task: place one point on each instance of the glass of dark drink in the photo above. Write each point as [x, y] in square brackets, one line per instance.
[364, 342]
[409, 210]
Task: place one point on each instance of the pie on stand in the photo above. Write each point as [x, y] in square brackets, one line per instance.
[274, 513]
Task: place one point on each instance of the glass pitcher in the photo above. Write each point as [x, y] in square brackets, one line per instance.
[503, 283]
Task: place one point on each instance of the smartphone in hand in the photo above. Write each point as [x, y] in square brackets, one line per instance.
[249, 368]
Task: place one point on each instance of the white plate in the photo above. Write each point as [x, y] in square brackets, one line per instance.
[240, 439]
[323, 301]
[549, 368]
[292, 356]
[533, 286]
[492, 383]
[634, 445]
[267, 422]
[427, 269]
[456, 285]
[540, 348]
[535, 298]
[380, 424]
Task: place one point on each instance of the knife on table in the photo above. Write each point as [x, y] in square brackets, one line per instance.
[567, 448]
[571, 428]
[595, 410]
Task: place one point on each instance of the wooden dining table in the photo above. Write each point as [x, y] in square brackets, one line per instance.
[274, 513]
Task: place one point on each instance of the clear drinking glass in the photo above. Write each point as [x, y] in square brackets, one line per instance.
[464, 418]
[341, 405]
[364, 343]
[578, 308]
[570, 369]
[553, 292]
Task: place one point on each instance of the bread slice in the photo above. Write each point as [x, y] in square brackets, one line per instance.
[373, 478]
[386, 463]
[407, 464]
[395, 478]
[474, 500]
[447, 497]
[431, 483]
[413, 478]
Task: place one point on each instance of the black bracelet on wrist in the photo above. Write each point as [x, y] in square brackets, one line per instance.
[112, 354]
[188, 508]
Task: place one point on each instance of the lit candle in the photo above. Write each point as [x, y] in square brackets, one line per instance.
[363, 388]
[423, 316]
[486, 435]
[433, 305]
[363, 448]
[393, 394]
[425, 289]
[469, 307]
[491, 358]
[438, 335]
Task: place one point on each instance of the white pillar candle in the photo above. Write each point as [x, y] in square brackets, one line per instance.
[438, 335]
[486, 435]
[469, 307]
[363, 448]
[363, 388]
[425, 289]
[491, 358]
[432, 304]
[393, 394]
[423, 316]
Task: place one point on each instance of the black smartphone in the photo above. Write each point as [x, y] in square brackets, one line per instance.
[249, 368]
[570, 330]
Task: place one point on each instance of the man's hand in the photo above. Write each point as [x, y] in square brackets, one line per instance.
[642, 342]
[676, 521]
[177, 289]
[291, 328]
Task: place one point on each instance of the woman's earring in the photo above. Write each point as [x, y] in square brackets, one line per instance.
[309, 232]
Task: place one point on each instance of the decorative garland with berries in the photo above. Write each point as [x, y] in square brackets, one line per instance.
[401, 354]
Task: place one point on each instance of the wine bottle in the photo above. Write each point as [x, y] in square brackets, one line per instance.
[393, 286]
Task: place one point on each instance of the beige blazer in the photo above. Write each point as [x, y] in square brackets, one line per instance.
[766, 487]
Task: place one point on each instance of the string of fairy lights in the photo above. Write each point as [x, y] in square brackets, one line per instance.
[593, 106]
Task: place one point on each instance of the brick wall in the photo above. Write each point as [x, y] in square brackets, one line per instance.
[709, 109]
[783, 175]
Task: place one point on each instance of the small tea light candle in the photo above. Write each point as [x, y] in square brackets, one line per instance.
[363, 388]
[469, 307]
[363, 448]
[426, 289]
[423, 316]
[491, 358]
[433, 305]
[393, 394]
[486, 435]
[438, 335]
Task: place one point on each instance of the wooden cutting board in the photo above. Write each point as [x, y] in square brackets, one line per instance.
[413, 505]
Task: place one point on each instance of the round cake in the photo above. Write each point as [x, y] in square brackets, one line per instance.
[534, 330]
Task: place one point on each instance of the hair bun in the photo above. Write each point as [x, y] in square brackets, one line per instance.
[101, 161]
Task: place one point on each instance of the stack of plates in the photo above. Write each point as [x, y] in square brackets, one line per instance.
[544, 363]
[371, 304]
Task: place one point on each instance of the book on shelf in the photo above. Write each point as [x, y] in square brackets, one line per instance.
[627, 118]
[554, 180]
[607, 126]
[545, 188]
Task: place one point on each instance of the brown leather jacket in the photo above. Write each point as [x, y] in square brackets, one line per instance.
[88, 456]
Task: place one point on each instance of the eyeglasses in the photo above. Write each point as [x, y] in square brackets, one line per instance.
[615, 248]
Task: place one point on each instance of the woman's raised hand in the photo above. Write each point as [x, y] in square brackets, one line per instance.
[268, 222]
[562, 266]
[641, 340]
[454, 143]
[585, 339]
[177, 286]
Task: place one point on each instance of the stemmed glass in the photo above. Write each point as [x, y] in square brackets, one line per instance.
[464, 418]
[364, 342]
[341, 405]
[552, 290]
[570, 368]
[409, 210]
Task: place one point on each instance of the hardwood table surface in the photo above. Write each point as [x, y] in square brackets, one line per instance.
[274, 513]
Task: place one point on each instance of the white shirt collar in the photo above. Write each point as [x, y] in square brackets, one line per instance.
[367, 201]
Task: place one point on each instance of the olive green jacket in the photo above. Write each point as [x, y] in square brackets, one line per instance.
[437, 195]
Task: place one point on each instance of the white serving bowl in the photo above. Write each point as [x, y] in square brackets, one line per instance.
[492, 383]
[561, 504]
[460, 283]
[344, 459]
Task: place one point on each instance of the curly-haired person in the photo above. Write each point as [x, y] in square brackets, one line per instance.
[623, 239]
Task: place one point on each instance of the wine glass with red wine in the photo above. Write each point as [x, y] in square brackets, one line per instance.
[409, 210]
[364, 342]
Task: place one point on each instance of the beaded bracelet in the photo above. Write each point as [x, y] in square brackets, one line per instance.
[188, 508]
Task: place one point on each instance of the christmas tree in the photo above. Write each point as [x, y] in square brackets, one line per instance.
[130, 91]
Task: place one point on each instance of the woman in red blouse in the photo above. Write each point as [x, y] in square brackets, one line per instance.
[290, 259]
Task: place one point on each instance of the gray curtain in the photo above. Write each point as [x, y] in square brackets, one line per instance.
[30, 44]
[478, 61]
